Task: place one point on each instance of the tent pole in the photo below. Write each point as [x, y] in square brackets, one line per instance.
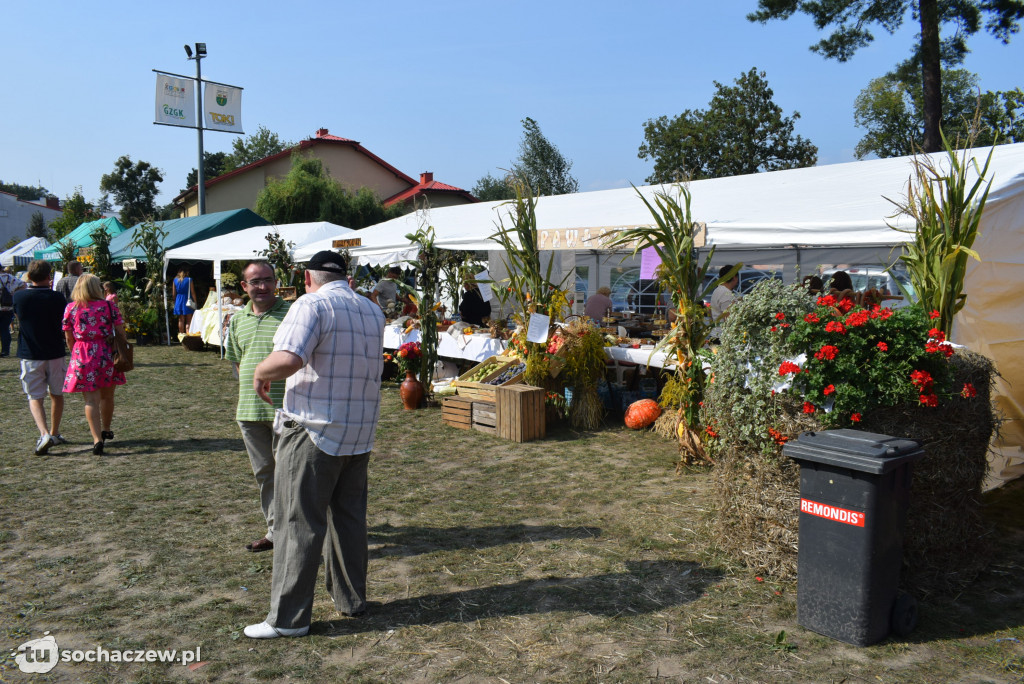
[167, 315]
[220, 315]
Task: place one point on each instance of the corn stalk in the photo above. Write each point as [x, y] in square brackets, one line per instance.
[528, 284]
[947, 210]
[673, 236]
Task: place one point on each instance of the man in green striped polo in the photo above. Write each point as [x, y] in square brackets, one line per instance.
[250, 340]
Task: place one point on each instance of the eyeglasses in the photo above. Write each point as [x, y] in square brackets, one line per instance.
[261, 282]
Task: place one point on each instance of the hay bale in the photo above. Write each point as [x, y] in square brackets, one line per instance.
[947, 540]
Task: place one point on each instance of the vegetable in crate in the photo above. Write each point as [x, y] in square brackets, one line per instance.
[508, 374]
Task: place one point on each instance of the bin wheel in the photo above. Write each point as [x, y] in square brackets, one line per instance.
[904, 615]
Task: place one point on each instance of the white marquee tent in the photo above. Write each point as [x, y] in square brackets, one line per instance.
[22, 252]
[244, 244]
[837, 214]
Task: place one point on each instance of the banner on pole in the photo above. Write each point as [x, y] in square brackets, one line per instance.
[222, 107]
[175, 101]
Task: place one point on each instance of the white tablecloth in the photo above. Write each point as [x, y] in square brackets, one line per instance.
[471, 347]
[480, 347]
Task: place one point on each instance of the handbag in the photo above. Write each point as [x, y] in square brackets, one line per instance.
[189, 302]
[124, 354]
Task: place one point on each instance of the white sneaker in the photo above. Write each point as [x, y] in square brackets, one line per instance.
[44, 444]
[58, 439]
[266, 631]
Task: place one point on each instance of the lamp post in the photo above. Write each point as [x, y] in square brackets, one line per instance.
[200, 52]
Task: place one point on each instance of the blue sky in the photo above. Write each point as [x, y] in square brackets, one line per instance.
[427, 86]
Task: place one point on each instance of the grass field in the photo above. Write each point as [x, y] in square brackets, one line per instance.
[576, 559]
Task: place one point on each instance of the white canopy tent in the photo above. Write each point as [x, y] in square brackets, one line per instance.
[247, 243]
[22, 252]
[244, 244]
[837, 214]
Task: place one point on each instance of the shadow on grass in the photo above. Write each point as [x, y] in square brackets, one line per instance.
[414, 540]
[646, 587]
[180, 445]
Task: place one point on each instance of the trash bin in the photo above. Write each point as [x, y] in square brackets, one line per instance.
[854, 491]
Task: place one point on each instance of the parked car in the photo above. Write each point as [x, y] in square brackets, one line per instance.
[874, 277]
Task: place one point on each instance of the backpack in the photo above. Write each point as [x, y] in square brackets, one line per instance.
[6, 299]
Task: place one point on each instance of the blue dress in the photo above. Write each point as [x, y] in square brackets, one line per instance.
[182, 289]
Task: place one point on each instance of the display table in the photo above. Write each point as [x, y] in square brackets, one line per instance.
[205, 321]
[481, 347]
[469, 347]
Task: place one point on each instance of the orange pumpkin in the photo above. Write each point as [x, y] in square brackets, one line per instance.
[642, 413]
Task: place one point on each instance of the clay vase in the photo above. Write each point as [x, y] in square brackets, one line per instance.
[411, 392]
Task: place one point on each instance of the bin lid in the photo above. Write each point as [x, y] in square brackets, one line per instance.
[866, 452]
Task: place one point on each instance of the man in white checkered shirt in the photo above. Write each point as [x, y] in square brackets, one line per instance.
[330, 348]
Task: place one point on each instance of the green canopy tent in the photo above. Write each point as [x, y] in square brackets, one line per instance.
[181, 232]
[82, 237]
[185, 231]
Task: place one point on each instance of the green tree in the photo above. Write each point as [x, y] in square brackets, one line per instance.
[542, 165]
[489, 189]
[853, 19]
[134, 188]
[252, 148]
[309, 193]
[742, 131]
[213, 166]
[24, 192]
[891, 108]
[37, 226]
[76, 211]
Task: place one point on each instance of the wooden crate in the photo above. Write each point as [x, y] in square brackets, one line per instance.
[480, 391]
[520, 410]
[457, 412]
[485, 417]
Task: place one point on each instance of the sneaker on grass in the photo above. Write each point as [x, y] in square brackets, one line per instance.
[44, 444]
[58, 439]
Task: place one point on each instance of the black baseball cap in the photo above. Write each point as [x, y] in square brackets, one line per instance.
[329, 261]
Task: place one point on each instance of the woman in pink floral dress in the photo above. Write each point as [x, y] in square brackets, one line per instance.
[88, 321]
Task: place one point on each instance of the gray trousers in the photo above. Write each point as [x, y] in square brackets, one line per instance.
[320, 508]
[258, 437]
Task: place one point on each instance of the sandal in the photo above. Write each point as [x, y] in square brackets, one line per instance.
[107, 434]
[97, 449]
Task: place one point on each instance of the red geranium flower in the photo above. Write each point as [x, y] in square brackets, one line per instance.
[885, 313]
[780, 316]
[827, 300]
[710, 432]
[835, 326]
[929, 400]
[855, 417]
[882, 346]
[937, 335]
[831, 389]
[808, 407]
[811, 318]
[788, 367]
[845, 305]
[968, 391]
[857, 319]
[922, 380]
[934, 314]
[827, 352]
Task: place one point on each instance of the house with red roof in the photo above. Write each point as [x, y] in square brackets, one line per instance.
[344, 159]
